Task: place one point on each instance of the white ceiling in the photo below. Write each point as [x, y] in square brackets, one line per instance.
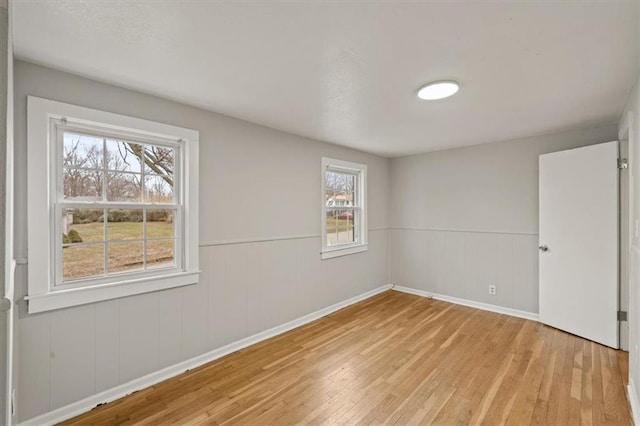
[347, 72]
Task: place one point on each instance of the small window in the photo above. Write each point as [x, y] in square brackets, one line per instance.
[114, 216]
[344, 212]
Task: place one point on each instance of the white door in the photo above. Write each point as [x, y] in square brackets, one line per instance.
[579, 241]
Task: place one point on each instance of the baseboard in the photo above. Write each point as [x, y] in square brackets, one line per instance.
[632, 396]
[86, 404]
[471, 303]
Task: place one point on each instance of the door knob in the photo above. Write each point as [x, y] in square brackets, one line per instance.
[543, 248]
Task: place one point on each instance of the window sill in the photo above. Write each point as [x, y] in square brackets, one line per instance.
[59, 299]
[337, 252]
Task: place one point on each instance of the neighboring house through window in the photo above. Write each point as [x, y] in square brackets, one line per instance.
[344, 213]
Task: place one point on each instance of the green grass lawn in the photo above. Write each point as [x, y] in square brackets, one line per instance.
[88, 260]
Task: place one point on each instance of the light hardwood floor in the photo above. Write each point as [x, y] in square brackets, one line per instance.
[395, 359]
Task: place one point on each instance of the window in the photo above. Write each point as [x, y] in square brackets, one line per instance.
[344, 208]
[113, 204]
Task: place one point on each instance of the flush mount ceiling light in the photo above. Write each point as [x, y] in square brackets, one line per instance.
[438, 90]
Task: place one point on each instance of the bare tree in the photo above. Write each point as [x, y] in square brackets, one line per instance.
[80, 176]
[158, 159]
[84, 170]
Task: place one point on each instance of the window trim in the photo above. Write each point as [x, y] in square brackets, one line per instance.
[43, 295]
[360, 170]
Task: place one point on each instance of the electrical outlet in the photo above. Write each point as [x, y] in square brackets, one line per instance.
[492, 290]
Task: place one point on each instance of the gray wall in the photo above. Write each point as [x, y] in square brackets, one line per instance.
[255, 183]
[464, 219]
[460, 220]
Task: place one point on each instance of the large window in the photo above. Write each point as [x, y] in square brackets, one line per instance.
[344, 219]
[116, 213]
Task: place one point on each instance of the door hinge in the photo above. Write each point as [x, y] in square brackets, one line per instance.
[623, 163]
[622, 315]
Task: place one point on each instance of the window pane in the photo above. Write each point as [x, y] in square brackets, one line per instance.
[160, 223]
[331, 179]
[352, 230]
[340, 227]
[82, 261]
[82, 151]
[124, 156]
[160, 254]
[340, 181]
[123, 186]
[343, 189]
[329, 197]
[158, 189]
[82, 225]
[80, 184]
[124, 257]
[124, 224]
[343, 199]
[332, 227]
[159, 160]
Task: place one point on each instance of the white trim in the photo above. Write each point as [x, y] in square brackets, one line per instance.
[624, 330]
[343, 251]
[9, 263]
[625, 125]
[470, 303]
[471, 231]
[86, 404]
[632, 396]
[82, 295]
[42, 244]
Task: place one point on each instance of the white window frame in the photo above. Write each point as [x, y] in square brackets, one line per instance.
[43, 169]
[360, 171]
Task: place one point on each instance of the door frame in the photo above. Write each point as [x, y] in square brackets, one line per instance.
[626, 228]
[8, 417]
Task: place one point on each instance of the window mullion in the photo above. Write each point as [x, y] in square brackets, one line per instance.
[116, 205]
[104, 170]
[105, 223]
[105, 211]
[143, 198]
[144, 239]
[58, 195]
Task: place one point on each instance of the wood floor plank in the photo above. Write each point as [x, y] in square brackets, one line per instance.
[394, 359]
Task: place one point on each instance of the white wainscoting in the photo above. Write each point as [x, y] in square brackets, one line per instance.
[70, 355]
[85, 404]
[462, 265]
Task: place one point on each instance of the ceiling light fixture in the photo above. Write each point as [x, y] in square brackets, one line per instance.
[438, 90]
